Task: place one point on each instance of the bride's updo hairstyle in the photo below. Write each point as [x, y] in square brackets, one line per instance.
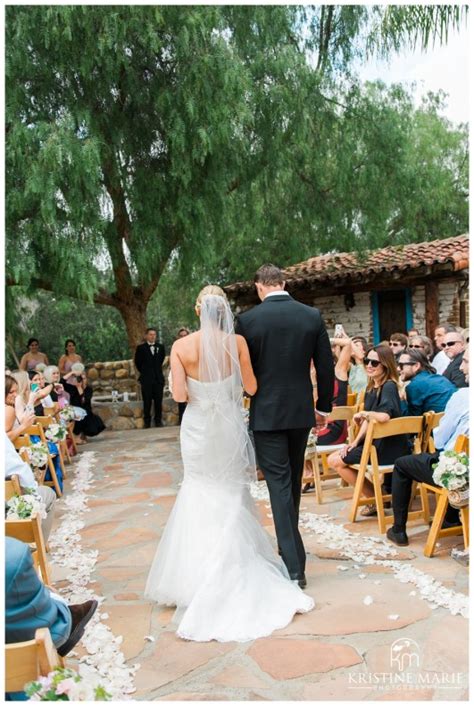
[209, 289]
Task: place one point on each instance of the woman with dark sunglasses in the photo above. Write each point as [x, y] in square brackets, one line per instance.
[381, 403]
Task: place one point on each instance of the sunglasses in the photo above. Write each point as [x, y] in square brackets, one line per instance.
[400, 365]
[415, 346]
[449, 343]
[372, 362]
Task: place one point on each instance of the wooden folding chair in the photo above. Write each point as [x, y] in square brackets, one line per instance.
[46, 422]
[369, 465]
[30, 532]
[351, 399]
[319, 459]
[12, 487]
[431, 421]
[37, 430]
[442, 502]
[26, 661]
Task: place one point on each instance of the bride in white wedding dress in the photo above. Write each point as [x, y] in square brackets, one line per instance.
[215, 562]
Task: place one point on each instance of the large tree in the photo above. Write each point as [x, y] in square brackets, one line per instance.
[137, 136]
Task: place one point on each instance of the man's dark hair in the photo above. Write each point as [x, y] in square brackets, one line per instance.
[269, 275]
[151, 328]
[399, 338]
[417, 356]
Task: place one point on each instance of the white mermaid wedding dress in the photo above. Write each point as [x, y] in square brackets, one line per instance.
[215, 562]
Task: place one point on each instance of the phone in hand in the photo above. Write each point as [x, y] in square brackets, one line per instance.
[34, 386]
[338, 331]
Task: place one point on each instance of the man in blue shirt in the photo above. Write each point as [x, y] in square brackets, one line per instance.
[427, 391]
[419, 467]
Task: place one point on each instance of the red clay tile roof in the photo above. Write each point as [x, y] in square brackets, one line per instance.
[350, 266]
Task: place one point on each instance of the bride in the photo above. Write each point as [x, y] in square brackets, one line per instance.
[215, 562]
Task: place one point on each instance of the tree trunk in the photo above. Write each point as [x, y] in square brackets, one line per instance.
[134, 316]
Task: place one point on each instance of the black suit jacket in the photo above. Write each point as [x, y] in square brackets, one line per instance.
[454, 374]
[283, 336]
[148, 365]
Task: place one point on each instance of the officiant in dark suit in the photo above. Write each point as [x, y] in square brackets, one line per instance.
[283, 337]
[149, 358]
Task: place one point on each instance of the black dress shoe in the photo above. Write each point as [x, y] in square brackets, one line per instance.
[399, 538]
[302, 583]
[308, 487]
[81, 614]
[449, 525]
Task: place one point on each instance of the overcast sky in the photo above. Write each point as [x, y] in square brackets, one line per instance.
[443, 67]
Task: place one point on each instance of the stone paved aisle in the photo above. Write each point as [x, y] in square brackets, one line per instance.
[336, 652]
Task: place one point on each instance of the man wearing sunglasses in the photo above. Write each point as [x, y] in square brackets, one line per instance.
[441, 360]
[419, 467]
[454, 345]
[426, 390]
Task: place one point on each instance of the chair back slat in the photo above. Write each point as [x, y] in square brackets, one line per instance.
[29, 531]
[351, 398]
[26, 661]
[431, 420]
[400, 425]
[342, 413]
[12, 487]
[462, 444]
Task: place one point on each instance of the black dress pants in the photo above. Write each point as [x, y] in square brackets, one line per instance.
[152, 392]
[280, 456]
[418, 467]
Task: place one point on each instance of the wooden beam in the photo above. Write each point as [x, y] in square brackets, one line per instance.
[431, 307]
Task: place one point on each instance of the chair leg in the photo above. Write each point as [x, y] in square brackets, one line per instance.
[440, 512]
[317, 479]
[61, 459]
[377, 482]
[465, 525]
[425, 503]
[356, 496]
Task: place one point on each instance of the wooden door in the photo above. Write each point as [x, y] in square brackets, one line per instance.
[392, 313]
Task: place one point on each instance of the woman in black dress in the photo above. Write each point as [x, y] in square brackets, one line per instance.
[81, 396]
[381, 403]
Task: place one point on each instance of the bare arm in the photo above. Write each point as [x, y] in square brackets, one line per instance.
[178, 374]
[61, 365]
[248, 376]
[10, 416]
[23, 362]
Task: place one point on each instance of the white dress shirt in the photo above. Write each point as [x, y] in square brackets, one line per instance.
[454, 422]
[277, 293]
[440, 362]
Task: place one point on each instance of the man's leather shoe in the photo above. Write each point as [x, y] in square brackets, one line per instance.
[302, 583]
[399, 538]
[81, 614]
[449, 525]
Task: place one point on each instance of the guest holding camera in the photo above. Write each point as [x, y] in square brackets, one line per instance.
[80, 393]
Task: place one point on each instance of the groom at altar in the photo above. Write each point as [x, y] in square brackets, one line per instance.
[149, 357]
[283, 337]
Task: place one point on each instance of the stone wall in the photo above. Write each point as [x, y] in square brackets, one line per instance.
[121, 376]
[357, 321]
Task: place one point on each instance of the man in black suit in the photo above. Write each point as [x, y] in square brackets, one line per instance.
[283, 336]
[454, 346]
[149, 358]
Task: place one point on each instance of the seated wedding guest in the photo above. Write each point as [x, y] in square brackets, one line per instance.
[381, 403]
[334, 432]
[411, 333]
[398, 344]
[33, 357]
[441, 361]
[419, 467]
[357, 373]
[421, 343]
[427, 391]
[44, 392]
[14, 465]
[69, 357]
[25, 400]
[16, 425]
[58, 393]
[30, 605]
[453, 345]
[80, 394]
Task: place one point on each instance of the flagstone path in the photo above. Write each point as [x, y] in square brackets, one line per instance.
[342, 650]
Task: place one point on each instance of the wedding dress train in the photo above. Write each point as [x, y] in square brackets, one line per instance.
[215, 562]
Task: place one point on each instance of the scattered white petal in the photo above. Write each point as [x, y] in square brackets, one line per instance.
[104, 616]
[412, 593]
[362, 576]
[368, 600]
[393, 617]
[342, 568]
[149, 638]
[269, 515]
[145, 514]
[377, 583]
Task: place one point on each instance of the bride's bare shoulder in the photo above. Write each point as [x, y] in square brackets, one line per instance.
[187, 342]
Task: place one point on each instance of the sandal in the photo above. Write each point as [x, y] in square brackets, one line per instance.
[369, 511]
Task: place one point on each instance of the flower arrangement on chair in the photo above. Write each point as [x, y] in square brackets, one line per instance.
[452, 472]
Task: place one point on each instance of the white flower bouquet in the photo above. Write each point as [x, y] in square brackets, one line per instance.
[66, 415]
[38, 455]
[452, 472]
[56, 433]
[22, 507]
[65, 685]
